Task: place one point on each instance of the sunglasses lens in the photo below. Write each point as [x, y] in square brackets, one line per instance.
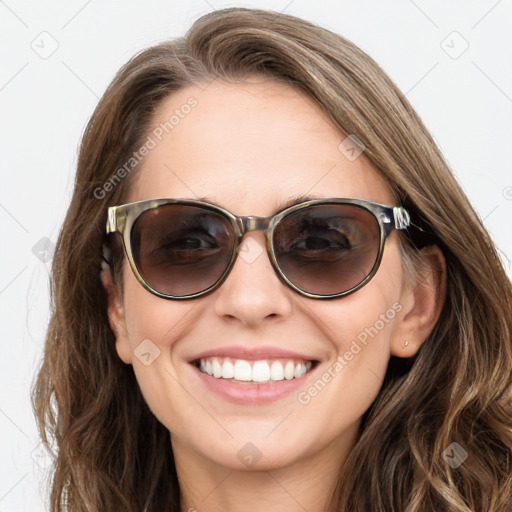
[327, 249]
[180, 249]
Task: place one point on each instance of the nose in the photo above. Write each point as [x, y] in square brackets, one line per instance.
[252, 292]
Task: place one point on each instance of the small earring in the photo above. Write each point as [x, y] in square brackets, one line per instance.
[406, 343]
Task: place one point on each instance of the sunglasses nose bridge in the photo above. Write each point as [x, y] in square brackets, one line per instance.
[254, 224]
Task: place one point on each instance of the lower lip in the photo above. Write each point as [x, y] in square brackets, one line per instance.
[254, 394]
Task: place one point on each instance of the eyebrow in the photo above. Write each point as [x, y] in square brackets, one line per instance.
[290, 201]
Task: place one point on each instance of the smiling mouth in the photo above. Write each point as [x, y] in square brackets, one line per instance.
[253, 372]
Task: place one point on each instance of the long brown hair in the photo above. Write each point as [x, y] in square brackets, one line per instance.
[113, 454]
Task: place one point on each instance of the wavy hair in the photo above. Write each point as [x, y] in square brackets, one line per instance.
[111, 453]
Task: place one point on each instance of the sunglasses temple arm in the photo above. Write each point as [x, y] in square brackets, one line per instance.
[401, 217]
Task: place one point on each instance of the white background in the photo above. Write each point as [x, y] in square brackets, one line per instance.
[466, 102]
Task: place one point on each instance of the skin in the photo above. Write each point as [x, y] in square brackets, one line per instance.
[248, 147]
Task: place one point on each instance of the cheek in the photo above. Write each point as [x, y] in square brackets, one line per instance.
[154, 328]
[361, 324]
[360, 335]
[360, 330]
[150, 317]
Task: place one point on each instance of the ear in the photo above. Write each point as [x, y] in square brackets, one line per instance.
[116, 317]
[422, 302]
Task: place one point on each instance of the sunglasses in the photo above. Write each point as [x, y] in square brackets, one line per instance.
[322, 248]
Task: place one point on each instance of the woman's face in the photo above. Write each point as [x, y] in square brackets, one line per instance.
[249, 148]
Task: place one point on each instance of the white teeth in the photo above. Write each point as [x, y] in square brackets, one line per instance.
[254, 371]
[260, 371]
[243, 370]
[276, 371]
[300, 370]
[288, 370]
[228, 370]
[217, 371]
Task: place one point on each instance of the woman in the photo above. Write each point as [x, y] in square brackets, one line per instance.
[270, 292]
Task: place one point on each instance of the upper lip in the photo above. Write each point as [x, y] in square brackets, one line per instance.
[252, 353]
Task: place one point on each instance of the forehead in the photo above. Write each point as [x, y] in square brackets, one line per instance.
[250, 147]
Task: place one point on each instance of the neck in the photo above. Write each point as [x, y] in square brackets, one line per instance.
[308, 483]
